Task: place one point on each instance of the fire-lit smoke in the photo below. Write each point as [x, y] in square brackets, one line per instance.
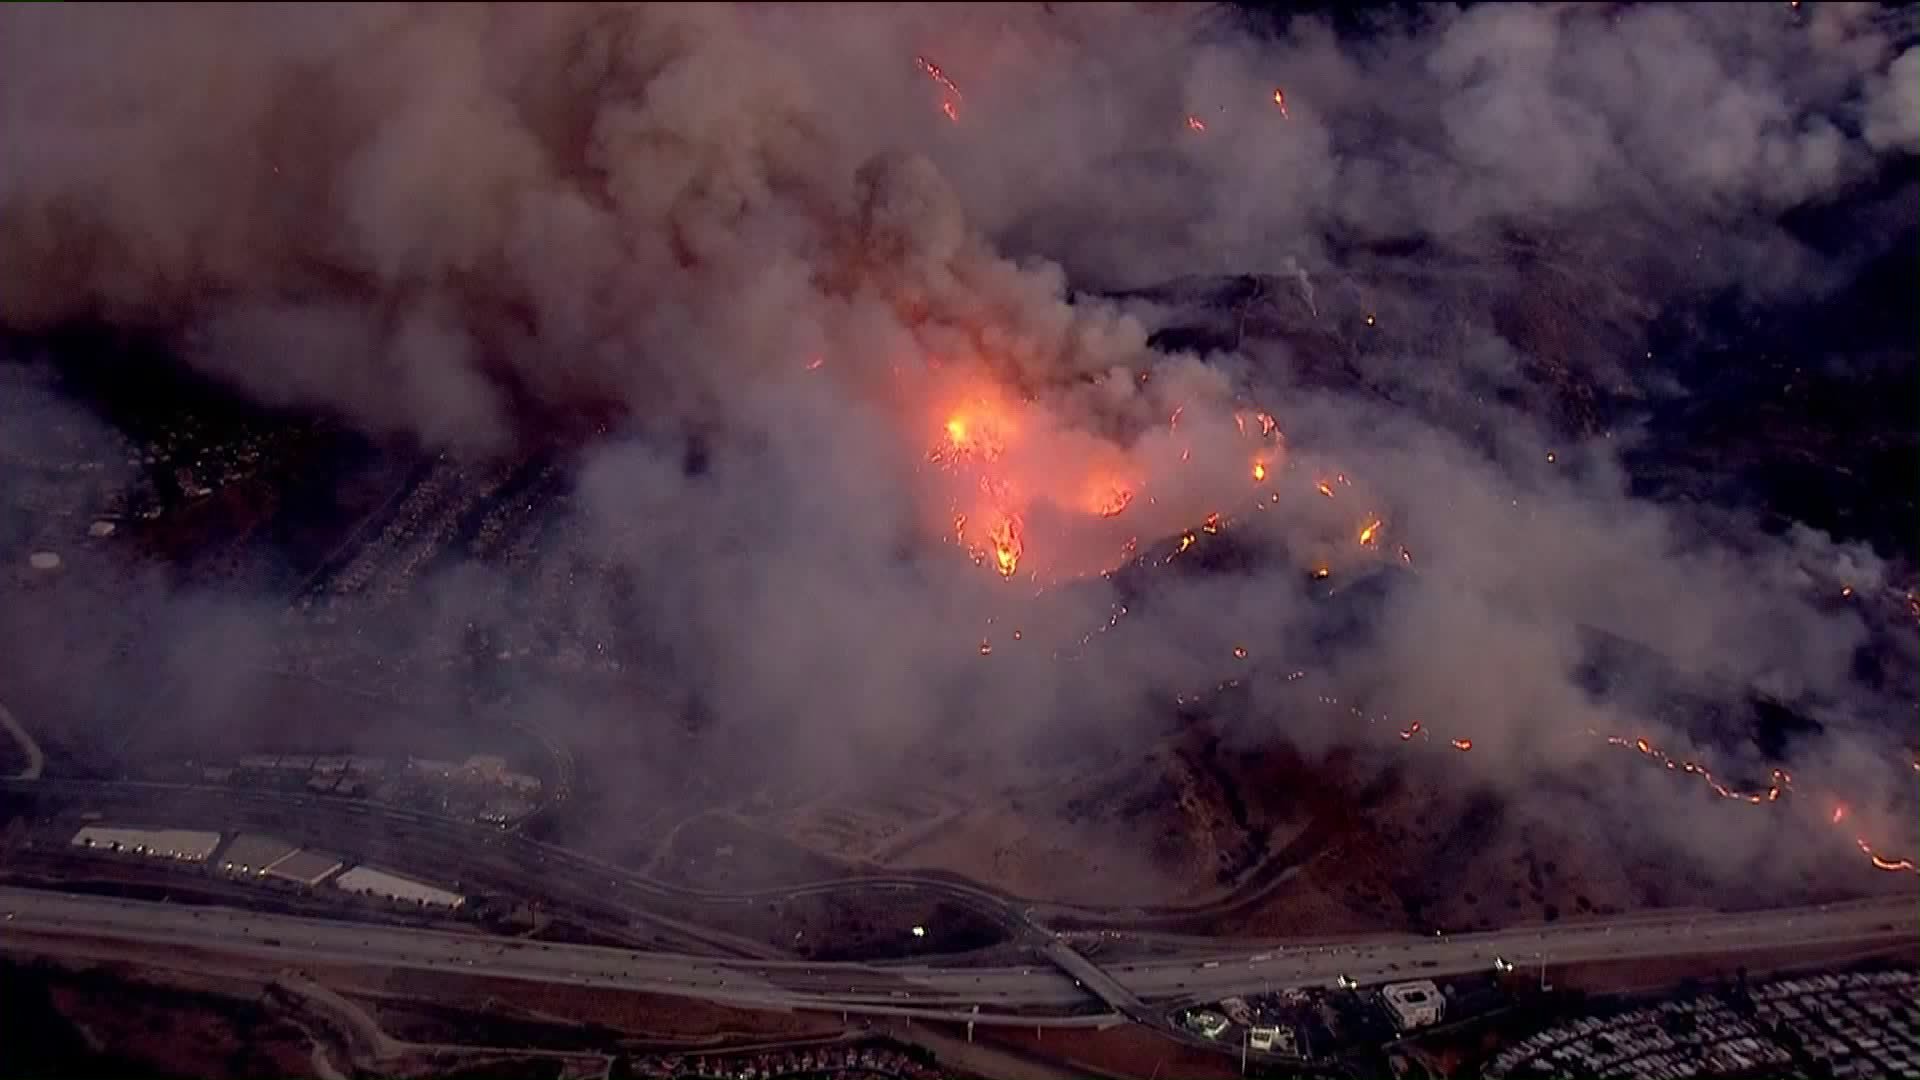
[832, 249]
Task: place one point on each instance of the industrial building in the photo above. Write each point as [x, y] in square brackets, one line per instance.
[390, 886]
[1413, 1004]
[252, 853]
[305, 867]
[181, 844]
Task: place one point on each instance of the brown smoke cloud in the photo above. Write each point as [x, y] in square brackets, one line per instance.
[456, 222]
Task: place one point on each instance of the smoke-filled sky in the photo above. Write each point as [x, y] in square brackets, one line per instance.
[837, 243]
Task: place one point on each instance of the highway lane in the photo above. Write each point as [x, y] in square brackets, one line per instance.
[1202, 973]
[923, 989]
[549, 870]
[789, 984]
[1387, 959]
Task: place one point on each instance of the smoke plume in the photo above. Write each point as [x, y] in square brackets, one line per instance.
[849, 254]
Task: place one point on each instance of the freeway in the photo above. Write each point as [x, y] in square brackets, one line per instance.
[561, 873]
[1003, 995]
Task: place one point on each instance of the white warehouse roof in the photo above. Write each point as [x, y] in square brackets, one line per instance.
[159, 843]
[366, 879]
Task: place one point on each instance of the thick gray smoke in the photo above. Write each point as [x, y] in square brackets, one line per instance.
[758, 224]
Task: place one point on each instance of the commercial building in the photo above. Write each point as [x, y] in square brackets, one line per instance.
[1208, 1023]
[252, 853]
[370, 881]
[1413, 1004]
[180, 844]
[307, 867]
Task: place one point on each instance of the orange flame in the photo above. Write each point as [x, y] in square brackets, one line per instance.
[1463, 744]
[1280, 99]
[1881, 862]
[1006, 546]
[950, 106]
[1112, 502]
[1325, 488]
[933, 72]
[1367, 534]
[1259, 471]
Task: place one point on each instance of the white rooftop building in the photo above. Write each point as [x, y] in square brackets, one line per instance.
[374, 882]
[1413, 1004]
[181, 844]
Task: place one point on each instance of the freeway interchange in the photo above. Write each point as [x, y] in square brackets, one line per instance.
[1034, 995]
[1062, 987]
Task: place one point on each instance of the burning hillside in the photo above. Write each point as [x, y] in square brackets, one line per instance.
[938, 489]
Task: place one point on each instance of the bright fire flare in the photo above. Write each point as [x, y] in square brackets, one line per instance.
[1367, 534]
[1259, 471]
[1112, 502]
[1006, 546]
[1324, 488]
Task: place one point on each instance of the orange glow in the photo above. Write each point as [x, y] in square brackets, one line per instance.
[1367, 534]
[1280, 99]
[1006, 546]
[1880, 862]
[933, 72]
[1325, 488]
[1112, 502]
[1320, 572]
[951, 105]
[1463, 744]
[1212, 524]
[1186, 541]
[1259, 471]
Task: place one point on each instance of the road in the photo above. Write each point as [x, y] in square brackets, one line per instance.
[1003, 994]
